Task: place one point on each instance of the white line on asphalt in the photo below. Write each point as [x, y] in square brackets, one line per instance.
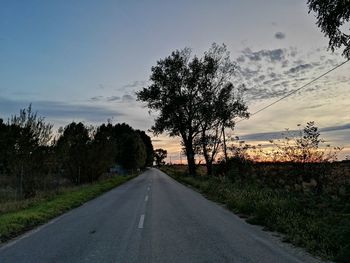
[142, 218]
[149, 188]
[146, 198]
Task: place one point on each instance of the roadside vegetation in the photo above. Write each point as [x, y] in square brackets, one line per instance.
[17, 217]
[44, 174]
[294, 185]
[34, 159]
[319, 223]
[300, 190]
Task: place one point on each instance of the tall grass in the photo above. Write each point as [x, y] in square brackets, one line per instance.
[18, 217]
[321, 224]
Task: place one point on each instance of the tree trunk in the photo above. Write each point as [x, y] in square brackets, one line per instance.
[190, 159]
[224, 143]
[209, 165]
[191, 164]
[208, 161]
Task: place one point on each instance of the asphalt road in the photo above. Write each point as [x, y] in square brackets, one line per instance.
[151, 218]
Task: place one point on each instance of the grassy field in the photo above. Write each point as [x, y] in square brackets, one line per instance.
[18, 217]
[321, 224]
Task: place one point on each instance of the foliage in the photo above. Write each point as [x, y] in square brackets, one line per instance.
[331, 18]
[298, 146]
[185, 90]
[31, 160]
[303, 147]
[72, 147]
[222, 103]
[148, 147]
[160, 156]
[133, 152]
[23, 142]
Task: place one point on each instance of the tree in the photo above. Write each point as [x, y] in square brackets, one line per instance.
[159, 156]
[222, 103]
[303, 147]
[102, 151]
[148, 147]
[180, 88]
[23, 140]
[72, 147]
[133, 151]
[331, 17]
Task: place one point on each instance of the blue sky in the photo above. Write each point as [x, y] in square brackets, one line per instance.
[83, 60]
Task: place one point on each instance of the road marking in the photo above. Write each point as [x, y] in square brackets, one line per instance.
[142, 219]
[149, 188]
[146, 198]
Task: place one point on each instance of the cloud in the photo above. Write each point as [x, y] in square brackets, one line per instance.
[299, 68]
[272, 73]
[96, 98]
[113, 98]
[264, 93]
[270, 55]
[127, 98]
[280, 35]
[336, 128]
[59, 111]
[124, 98]
[266, 136]
[135, 84]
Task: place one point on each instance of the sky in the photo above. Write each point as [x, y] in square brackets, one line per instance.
[84, 60]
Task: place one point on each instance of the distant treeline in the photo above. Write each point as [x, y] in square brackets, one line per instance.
[33, 158]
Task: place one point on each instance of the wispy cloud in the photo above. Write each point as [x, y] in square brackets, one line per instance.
[59, 111]
[135, 84]
[266, 136]
[124, 98]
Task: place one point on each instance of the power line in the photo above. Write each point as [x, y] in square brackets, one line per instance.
[294, 91]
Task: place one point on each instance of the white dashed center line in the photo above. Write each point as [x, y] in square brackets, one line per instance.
[146, 198]
[142, 219]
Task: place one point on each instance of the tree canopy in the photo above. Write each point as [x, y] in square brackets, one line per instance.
[332, 15]
[192, 95]
[31, 160]
[160, 156]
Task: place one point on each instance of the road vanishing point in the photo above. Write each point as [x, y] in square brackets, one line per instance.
[151, 218]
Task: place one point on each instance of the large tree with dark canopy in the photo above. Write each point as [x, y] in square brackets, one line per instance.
[180, 87]
[332, 16]
[160, 156]
[221, 103]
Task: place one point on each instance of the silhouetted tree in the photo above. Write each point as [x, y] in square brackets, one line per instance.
[72, 147]
[133, 151]
[102, 151]
[331, 16]
[179, 89]
[222, 103]
[32, 160]
[148, 147]
[23, 140]
[159, 156]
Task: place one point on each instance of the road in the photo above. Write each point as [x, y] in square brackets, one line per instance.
[151, 218]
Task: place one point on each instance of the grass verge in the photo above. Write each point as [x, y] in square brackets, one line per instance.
[321, 224]
[17, 222]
